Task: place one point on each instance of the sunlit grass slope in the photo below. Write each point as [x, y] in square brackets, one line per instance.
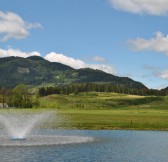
[108, 111]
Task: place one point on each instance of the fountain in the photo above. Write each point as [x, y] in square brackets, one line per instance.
[18, 129]
[19, 125]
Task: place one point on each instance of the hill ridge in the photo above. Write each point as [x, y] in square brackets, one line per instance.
[35, 70]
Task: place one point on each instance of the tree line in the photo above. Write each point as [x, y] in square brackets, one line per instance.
[18, 97]
[97, 87]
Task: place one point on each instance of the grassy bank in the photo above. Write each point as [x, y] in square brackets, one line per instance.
[104, 111]
[116, 119]
[108, 111]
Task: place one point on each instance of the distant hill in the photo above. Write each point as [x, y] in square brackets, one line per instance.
[36, 70]
[165, 89]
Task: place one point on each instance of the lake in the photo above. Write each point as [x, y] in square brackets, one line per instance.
[107, 145]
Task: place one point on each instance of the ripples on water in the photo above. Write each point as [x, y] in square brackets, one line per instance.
[131, 146]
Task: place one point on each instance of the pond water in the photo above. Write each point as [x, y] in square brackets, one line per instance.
[87, 146]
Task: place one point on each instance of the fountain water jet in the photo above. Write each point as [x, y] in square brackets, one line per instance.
[18, 126]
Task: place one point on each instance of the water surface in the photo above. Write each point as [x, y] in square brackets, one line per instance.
[131, 146]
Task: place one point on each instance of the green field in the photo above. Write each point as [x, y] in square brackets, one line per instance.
[102, 111]
[107, 111]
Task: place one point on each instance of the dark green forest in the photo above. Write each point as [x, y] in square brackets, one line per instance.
[88, 87]
[36, 70]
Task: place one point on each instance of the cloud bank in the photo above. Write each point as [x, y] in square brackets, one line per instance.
[156, 72]
[13, 26]
[78, 64]
[17, 52]
[151, 7]
[159, 43]
[164, 74]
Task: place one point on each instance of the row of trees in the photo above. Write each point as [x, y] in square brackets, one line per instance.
[107, 87]
[18, 97]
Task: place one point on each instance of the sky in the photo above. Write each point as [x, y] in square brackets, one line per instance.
[123, 37]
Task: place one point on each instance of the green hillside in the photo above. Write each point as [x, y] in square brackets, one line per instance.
[36, 70]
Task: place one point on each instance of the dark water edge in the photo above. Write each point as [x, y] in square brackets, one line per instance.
[108, 145]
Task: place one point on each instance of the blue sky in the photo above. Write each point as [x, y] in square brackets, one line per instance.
[125, 38]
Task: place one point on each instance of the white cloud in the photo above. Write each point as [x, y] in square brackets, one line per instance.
[151, 7]
[164, 74]
[157, 44]
[98, 59]
[16, 52]
[155, 72]
[77, 64]
[13, 26]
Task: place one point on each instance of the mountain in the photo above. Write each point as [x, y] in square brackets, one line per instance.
[165, 89]
[36, 70]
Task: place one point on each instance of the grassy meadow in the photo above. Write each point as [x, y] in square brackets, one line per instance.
[107, 111]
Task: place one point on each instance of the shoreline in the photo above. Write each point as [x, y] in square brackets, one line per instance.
[110, 129]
